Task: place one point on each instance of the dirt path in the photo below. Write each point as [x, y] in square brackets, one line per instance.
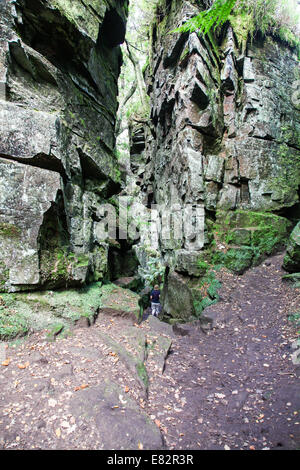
[239, 385]
[231, 387]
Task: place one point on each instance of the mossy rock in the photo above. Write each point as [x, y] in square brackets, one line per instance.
[4, 275]
[9, 231]
[294, 279]
[54, 331]
[191, 263]
[60, 267]
[21, 312]
[239, 236]
[116, 298]
[12, 324]
[291, 262]
[248, 237]
[184, 298]
[239, 259]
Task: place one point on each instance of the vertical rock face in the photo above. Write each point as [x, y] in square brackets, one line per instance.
[59, 65]
[226, 115]
[292, 258]
[225, 136]
[225, 128]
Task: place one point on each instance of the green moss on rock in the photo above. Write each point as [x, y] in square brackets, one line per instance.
[247, 237]
[185, 298]
[12, 324]
[9, 231]
[58, 266]
[142, 373]
[291, 261]
[4, 274]
[239, 260]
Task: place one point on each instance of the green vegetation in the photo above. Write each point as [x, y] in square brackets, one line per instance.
[203, 266]
[12, 324]
[58, 266]
[239, 259]
[58, 311]
[247, 238]
[55, 310]
[142, 373]
[9, 230]
[207, 293]
[294, 318]
[287, 181]
[213, 17]
[4, 274]
[276, 17]
[293, 279]
[54, 331]
[116, 298]
[155, 272]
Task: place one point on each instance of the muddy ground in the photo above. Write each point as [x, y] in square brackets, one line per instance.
[233, 386]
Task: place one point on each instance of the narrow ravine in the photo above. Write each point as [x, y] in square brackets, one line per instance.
[232, 386]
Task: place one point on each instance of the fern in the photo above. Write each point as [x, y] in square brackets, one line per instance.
[276, 17]
[215, 16]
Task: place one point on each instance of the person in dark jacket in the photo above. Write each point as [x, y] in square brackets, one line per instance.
[155, 303]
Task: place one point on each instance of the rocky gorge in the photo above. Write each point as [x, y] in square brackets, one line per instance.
[222, 136]
[210, 143]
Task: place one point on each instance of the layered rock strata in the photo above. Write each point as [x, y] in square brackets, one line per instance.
[225, 131]
[59, 65]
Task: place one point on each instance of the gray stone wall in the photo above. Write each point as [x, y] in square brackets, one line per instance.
[59, 65]
[226, 128]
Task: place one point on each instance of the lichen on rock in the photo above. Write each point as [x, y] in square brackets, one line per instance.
[59, 64]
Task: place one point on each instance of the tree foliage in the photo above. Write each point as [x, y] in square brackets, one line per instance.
[133, 99]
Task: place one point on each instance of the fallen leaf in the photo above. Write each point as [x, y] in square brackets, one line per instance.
[58, 432]
[157, 422]
[6, 362]
[80, 387]
[23, 366]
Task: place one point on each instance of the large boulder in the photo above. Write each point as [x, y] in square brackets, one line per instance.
[291, 262]
[184, 297]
